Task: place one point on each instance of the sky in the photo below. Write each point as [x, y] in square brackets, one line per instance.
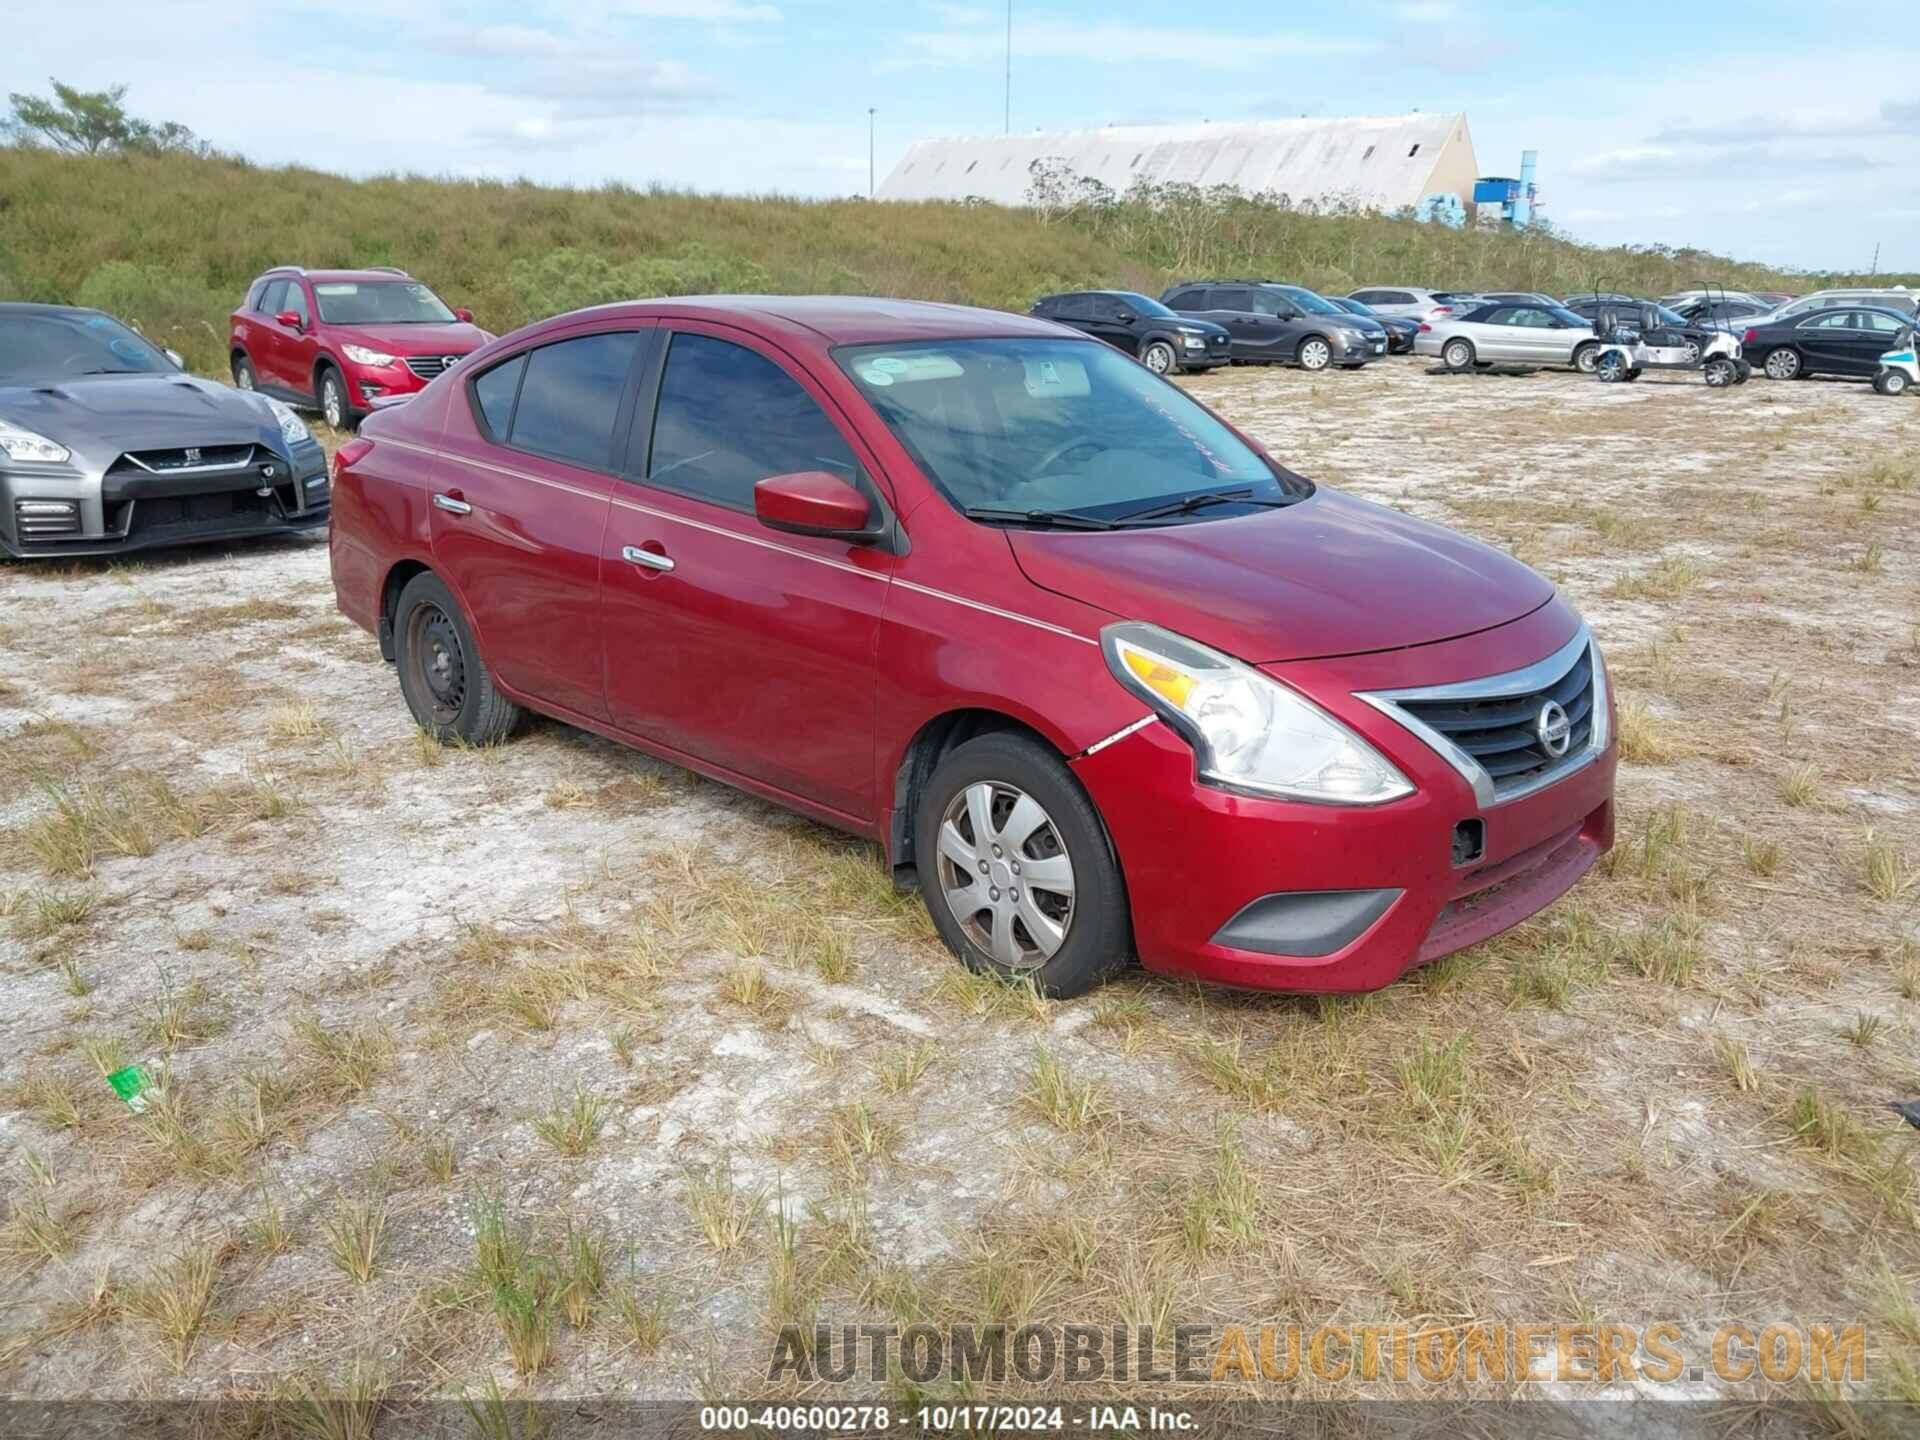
[1770, 131]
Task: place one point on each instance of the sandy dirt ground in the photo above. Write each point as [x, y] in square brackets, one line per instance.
[556, 1068]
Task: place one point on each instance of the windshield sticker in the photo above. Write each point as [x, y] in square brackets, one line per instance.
[886, 370]
[1053, 378]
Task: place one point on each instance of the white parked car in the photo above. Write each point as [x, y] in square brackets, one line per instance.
[1510, 335]
[1405, 301]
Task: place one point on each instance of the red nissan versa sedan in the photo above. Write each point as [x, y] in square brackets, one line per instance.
[1106, 675]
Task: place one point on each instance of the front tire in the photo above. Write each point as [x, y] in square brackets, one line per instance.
[1782, 363]
[243, 376]
[1314, 353]
[1891, 382]
[1610, 368]
[1457, 355]
[1158, 356]
[1016, 868]
[446, 684]
[1720, 373]
[333, 399]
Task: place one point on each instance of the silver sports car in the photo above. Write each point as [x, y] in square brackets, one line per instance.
[106, 446]
[1509, 334]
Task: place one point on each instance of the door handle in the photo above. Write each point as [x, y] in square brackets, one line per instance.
[451, 505]
[634, 555]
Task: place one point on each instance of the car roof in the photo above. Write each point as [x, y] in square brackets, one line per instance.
[817, 320]
[34, 307]
[333, 277]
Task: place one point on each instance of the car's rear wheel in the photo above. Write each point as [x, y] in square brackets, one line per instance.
[446, 684]
[1016, 868]
[1782, 364]
[1457, 355]
[1157, 356]
[243, 376]
[333, 398]
[1314, 353]
[1585, 355]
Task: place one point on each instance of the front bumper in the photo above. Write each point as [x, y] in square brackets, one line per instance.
[1219, 882]
[126, 510]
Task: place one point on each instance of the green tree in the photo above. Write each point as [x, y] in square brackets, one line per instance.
[87, 122]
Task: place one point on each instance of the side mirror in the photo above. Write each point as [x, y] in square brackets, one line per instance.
[288, 318]
[174, 356]
[463, 315]
[813, 502]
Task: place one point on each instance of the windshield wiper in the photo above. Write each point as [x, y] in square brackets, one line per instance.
[1188, 503]
[1043, 519]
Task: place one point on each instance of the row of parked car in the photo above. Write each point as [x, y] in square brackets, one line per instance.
[1200, 325]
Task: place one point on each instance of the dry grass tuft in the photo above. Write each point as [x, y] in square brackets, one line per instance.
[572, 1124]
[1063, 1102]
[725, 1214]
[174, 1300]
[356, 1233]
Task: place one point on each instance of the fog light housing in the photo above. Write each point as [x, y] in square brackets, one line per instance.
[37, 519]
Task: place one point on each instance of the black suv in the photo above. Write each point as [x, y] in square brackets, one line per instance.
[1144, 328]
[1272, 322]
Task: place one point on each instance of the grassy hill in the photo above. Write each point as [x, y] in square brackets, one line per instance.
[171, 241]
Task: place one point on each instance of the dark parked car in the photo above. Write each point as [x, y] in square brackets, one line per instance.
[342, 340]
[1731, 316]
[1400, 330]
[1846, 340]
[1109, 678]
[1271, 323]
[1142, 327]
[106, 446]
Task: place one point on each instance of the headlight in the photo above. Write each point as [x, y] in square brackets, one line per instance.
[22, 444]
[1249, 732]
[360, 355]
[1194, 342]
[292, 428]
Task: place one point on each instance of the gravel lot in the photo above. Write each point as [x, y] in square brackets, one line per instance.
[422, 1009]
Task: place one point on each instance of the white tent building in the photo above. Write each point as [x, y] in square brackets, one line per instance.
[1374, 162]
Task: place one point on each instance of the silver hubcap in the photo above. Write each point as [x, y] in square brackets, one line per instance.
[1584, 361]
[1159, 359]
[1006, 874]
[245, 378]
[335, 410]
[1458, 355]
[1783, 364]
[1314, 354]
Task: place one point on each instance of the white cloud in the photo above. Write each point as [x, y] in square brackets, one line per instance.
[1054, 37]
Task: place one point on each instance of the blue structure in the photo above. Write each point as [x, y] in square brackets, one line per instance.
[1441, 207]
[1516, 199]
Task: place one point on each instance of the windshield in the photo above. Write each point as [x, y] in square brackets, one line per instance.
[379, 302]
[63, 345]
[1308, 301]
[1054, 425]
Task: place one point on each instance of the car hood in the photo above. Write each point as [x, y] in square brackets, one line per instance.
[455, 338]
[1331, 575]
[1205, 327]
[98, 417]
[1365, 324]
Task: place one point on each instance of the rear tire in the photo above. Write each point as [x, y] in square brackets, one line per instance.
[1457, 355]
[990, 783]
[446, 684]
[1609, 368]
[1158, 356]
[1585, 355]
[1720, 373]
[1782, 363]
[243, 376]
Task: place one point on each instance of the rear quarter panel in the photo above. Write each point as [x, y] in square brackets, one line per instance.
[380, 506]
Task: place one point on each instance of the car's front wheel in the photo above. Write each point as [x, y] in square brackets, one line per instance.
[1720, 372]
[243, 376]
[1314, 353]
[1157, 356]
[333, 399]
[1585, 355]
[1782, 364]
[446, 684]
[1891, 382]
[1016, 868]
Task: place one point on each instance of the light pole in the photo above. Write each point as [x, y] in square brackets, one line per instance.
[1009, 116]
[870, 112]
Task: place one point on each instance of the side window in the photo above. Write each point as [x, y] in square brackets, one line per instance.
[1531, 318]
[1077, 307]
[570, 396]
[1049, 307]
[273, 298]
[1874, 320]
[1833, 320]
[494, 390]
[255, 296]
[1370, 297]
[1267, 302]
[1395, 297]
[728, 418]
[1187, 300]
[296, 301]
[1230, 298]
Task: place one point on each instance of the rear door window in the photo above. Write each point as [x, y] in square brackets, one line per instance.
[570, 398]
[1187, 300]
[1230, 297]
[494, 393]
[728, 418]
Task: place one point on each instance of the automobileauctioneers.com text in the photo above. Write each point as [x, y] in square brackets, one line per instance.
[1598, 1354]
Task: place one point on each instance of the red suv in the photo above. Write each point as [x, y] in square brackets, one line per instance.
[1076, 652]
[337, 340]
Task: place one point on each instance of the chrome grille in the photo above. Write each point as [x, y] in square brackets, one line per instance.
[190, 459]
[1501, 732]
[428, 366]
